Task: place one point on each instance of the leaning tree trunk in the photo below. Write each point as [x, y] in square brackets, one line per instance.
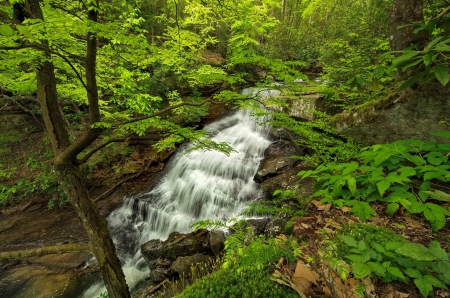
[69, 174]
[95, 225]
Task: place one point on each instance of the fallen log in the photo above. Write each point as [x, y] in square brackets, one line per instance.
[46, 250]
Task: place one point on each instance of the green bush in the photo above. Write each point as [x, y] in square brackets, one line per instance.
[380, 253]
[397, 174]
[246, 274]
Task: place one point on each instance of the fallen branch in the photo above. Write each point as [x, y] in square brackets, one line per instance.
[158, 286]
[46, 250]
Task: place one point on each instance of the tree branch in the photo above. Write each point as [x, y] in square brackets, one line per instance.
[168, 109]
[38, 47]
[442, 13]
[117, 140]
[46, 250]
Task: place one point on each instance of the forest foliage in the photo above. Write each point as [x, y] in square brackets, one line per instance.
[160, 64]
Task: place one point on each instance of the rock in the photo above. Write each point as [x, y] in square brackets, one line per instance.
[275, 227]
[182, 265]
[302, 107]
[177, 245]
[277, 160]
[289, 179]
[412, 114]
[69, 261]
[258, 225]
[217, 241]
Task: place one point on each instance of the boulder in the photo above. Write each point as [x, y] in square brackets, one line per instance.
[217, 241]
[275, 227]
[411, 114]
[258, 225]
[182, 265]
[289, 180]
[277, 160]
[177, 245]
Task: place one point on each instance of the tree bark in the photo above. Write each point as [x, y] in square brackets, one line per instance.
[405, 12]
[69, 175]
[95, 225]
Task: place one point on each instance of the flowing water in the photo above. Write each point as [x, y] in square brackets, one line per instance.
[198, 185]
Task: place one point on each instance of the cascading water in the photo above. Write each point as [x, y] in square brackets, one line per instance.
[198, 185]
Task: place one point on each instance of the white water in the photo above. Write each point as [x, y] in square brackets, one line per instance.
[199, 185]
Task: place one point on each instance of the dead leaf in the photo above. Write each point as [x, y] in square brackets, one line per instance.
[322, 206]
[390, 292]
[303, 272]
[346, 209]
[279, 278]
[370, 288]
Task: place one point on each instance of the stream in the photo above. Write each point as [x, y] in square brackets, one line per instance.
[197, 185]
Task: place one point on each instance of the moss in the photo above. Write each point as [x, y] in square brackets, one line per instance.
[365, 110]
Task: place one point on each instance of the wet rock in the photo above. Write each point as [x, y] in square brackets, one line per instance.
[277, 160]
[217, 241]
[160, 270]
[69, 261]
[290, 179]
[182, 265]
[177, 245]
[258, 225]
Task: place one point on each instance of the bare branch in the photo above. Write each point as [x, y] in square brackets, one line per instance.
[442, 13]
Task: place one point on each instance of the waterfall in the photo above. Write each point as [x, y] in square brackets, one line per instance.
[198, 185]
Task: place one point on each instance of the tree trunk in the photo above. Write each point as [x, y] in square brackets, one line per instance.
[68, 174]
[96, 227]
[405, 12]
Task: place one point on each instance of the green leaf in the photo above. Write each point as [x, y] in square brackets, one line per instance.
[438, 195]
[363, 211]
[415, 251]
[425, 186]
[413, 272]
[443, 134]
[382, 186]
[350, 241]
[5, 30]
[441, 73]
[378, 247]
[396, 272]
[391, 208]
[437, 251]
[377, 268]
[437, 208]
[393, 245]
[352, 185]
[424, 287]
[436, 219]
[433, 42]
[405, 57]
[360, 270]
[355, 258]
[408, 83]
[434, 281]
[362, 245]
[444, 268]
[25, 31]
